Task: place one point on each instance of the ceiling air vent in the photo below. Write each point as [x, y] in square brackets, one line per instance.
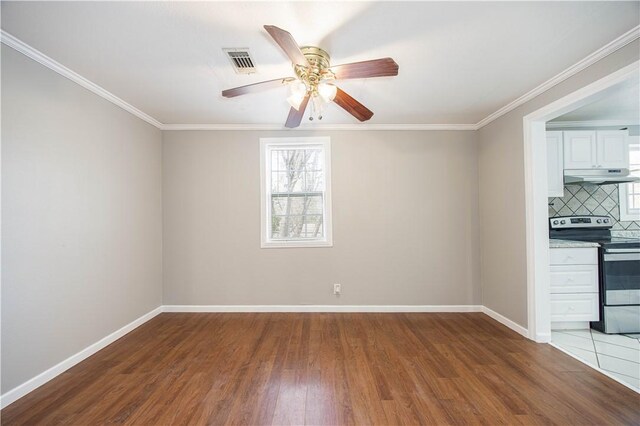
[241, 60]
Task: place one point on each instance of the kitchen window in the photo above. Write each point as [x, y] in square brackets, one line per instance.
[295, 192]
[630, 192]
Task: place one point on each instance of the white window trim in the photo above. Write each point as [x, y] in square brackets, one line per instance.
[265, 202]
[627, 214]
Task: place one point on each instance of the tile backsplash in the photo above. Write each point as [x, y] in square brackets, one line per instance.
[593, 200]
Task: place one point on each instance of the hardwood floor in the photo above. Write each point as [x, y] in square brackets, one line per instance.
[327, 369]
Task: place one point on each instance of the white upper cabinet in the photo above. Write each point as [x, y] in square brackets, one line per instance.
[555, 172]
[613, 149]
[580, 149]
[587, 149]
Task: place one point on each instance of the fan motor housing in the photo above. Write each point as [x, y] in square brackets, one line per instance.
[319, 62]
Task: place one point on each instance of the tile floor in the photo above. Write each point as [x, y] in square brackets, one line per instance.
[617, 354]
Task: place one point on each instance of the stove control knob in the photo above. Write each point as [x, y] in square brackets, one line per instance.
[606, 221]
[598, 221]
[562, 222]
[555, 222]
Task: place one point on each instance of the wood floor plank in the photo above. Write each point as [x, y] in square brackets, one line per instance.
[326, 369]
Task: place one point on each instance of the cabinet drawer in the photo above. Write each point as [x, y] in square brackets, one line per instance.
[574, 279]
[574, 256]
[575, 307]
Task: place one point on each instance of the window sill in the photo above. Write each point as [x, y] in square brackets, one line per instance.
[296, 244]
[629, 217]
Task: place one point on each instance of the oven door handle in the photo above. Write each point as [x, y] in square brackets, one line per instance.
[623, 250]
[610, 257]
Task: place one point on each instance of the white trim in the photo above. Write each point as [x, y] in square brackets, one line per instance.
[594, 57]
[591, 123]
[536, 213]
[627, 214]
[43, 59]
[265, 192]
[42, 378]
[595, 367]
[322, 308]
[505, 321]
[320, 127]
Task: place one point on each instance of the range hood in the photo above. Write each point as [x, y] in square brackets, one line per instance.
[598, 176]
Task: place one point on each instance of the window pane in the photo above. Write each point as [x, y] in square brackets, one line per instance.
[312, 227]
[285, 205]
[313, 159]
[314, 181]
[297, 227]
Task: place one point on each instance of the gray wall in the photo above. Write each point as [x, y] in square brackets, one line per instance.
[502, 204]
[81, 218]
[405, 207]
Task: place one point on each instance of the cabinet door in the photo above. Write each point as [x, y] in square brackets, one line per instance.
[579, 149]
[555, 166]
[612, 149]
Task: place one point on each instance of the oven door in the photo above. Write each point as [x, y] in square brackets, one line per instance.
[621, 276]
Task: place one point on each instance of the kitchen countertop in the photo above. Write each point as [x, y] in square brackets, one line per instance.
[556, 243]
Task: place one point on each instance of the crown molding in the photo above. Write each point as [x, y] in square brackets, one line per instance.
[43, 59]
[591, 123]
[319, 127]
[594, 57]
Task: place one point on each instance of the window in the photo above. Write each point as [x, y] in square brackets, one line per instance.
[296, 192]
[630, 192]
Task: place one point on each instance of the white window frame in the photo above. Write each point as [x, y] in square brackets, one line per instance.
[628, 214]
[265, 192]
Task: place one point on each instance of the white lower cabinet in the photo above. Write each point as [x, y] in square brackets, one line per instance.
[574, 307]
[574, 286]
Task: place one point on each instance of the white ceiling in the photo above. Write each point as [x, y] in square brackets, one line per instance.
[459, 61]
[621, 106]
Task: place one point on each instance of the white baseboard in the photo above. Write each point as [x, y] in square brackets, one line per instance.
[506, 321]
[570, 325]
[542, 338]
[322, 308]
[42, 378]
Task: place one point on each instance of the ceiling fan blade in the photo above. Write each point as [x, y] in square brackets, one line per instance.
[352, 106]
[285, 40]
[256, 87]
[374, 68]
[295, 115]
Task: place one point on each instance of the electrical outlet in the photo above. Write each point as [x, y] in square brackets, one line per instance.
[336, 289]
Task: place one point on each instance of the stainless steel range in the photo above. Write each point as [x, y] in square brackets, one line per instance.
[619, 269]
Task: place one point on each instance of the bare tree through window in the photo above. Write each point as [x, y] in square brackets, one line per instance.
[297, 192]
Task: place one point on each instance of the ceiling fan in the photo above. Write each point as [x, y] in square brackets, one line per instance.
[314, 79]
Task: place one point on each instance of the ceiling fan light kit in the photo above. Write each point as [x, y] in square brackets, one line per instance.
[314, 79]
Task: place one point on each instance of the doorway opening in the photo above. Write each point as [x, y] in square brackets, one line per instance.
[537, 233]
[536, 191]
